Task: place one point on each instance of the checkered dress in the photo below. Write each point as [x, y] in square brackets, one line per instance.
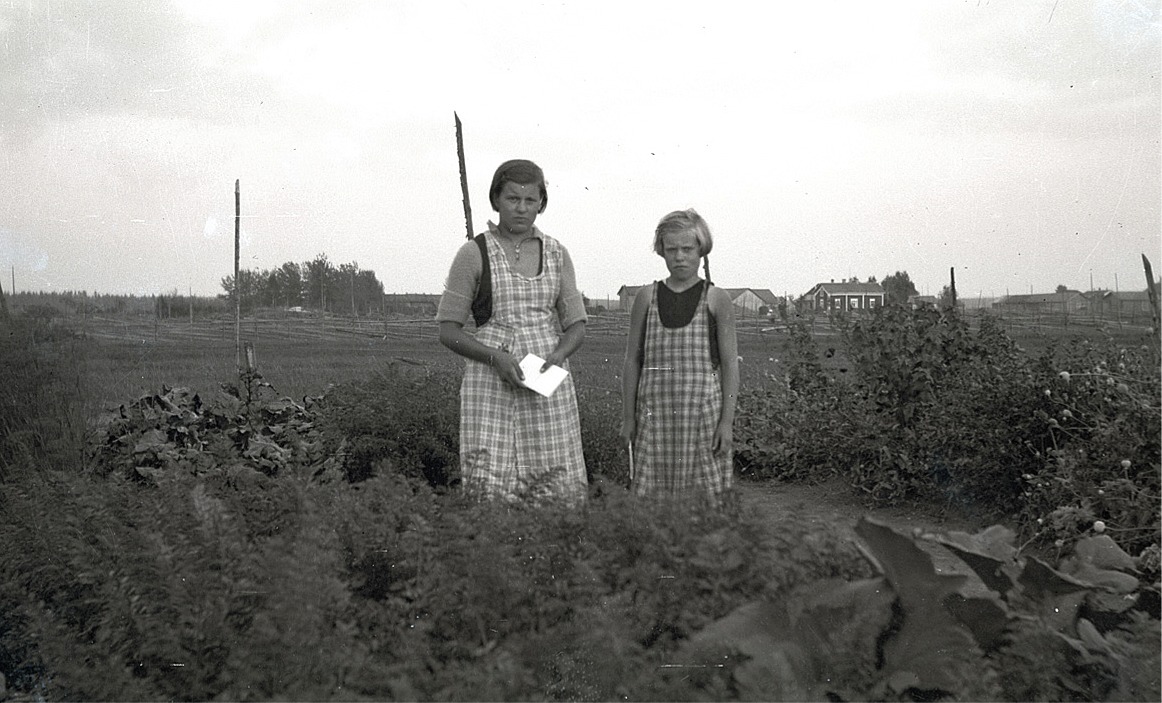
[679, 403]
[515, 442]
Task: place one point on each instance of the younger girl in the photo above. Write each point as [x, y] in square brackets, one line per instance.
[680, 376]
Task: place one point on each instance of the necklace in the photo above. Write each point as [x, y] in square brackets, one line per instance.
[518, 245]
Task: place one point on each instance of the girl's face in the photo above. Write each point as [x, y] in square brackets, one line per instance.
[518, 205]
[682, 253]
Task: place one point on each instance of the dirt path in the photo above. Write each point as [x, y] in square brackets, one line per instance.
[835, 503]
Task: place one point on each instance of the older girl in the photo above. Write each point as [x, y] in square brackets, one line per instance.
[680, 376]
[519, 286]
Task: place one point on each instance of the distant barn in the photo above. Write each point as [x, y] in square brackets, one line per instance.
[411, 304]
[747, 301]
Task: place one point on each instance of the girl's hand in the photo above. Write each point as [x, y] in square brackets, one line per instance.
[553, 358]
[723, 439]
[628, 430]
[508, 368]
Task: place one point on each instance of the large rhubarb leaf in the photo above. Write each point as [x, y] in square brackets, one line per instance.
[990, 554]
[931, 653]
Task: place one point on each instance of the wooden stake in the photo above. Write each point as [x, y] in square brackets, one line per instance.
[237, 283]
[1151, 290]
[463, 175]
[952, 284]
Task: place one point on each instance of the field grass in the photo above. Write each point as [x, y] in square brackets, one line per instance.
[125, 358]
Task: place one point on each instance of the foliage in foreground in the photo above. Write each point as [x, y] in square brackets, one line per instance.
[1016, 629]
[198, 585]
[228, 547]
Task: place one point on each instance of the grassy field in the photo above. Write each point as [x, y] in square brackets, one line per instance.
[128, 357]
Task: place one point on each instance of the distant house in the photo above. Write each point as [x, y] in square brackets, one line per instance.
[415, 304]
[845, 296]
[625, 296]
[752, 301]
[1066, 302]
[1117, 304]
[968, 302]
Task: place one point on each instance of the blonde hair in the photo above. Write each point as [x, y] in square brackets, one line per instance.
[684, 221]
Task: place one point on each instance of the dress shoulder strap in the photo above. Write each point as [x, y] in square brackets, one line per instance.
[482, 303]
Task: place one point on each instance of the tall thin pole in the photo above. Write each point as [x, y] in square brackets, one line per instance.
[1151, 291]
[237, 283]
[1118, 300]
[463, 175]
[1092, 299]
[952, 284]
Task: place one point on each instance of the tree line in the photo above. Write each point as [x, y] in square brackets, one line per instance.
[316, 285]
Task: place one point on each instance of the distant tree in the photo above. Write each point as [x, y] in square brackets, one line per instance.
[290, 281]
[316, 283]
[947, 299]
[317, 272]
[898, 287]
[249, 287]
[1061, 288]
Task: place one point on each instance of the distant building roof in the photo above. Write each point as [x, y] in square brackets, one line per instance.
[1038, 298]
[629, 290]
[848, 288]
[1132, 295]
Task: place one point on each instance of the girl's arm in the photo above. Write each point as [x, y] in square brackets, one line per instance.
[453, 336]
[570, 308]
[570, 342]
[631, 367]
[723, 311]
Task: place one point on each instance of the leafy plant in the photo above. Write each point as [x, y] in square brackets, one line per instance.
[1021, 630]
[397, 420]
[247, 429]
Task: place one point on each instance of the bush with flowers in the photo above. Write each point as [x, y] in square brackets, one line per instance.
[934, 407]
[1100, 432]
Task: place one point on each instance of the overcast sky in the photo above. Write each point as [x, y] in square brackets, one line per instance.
[1017, 141]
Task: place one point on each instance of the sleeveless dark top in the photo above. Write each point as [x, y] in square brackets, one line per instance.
[677, 310]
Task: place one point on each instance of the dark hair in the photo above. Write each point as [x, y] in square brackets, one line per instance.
[522, 172]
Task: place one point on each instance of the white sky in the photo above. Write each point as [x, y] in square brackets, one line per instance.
[1017, 141]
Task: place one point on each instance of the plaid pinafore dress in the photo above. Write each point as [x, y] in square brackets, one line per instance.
[679, 403]
[515, 442]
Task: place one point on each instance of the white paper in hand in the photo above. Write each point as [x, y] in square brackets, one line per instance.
[543, 383]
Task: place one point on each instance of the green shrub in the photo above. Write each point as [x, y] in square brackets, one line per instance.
[1098, 437]
[406, 420]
